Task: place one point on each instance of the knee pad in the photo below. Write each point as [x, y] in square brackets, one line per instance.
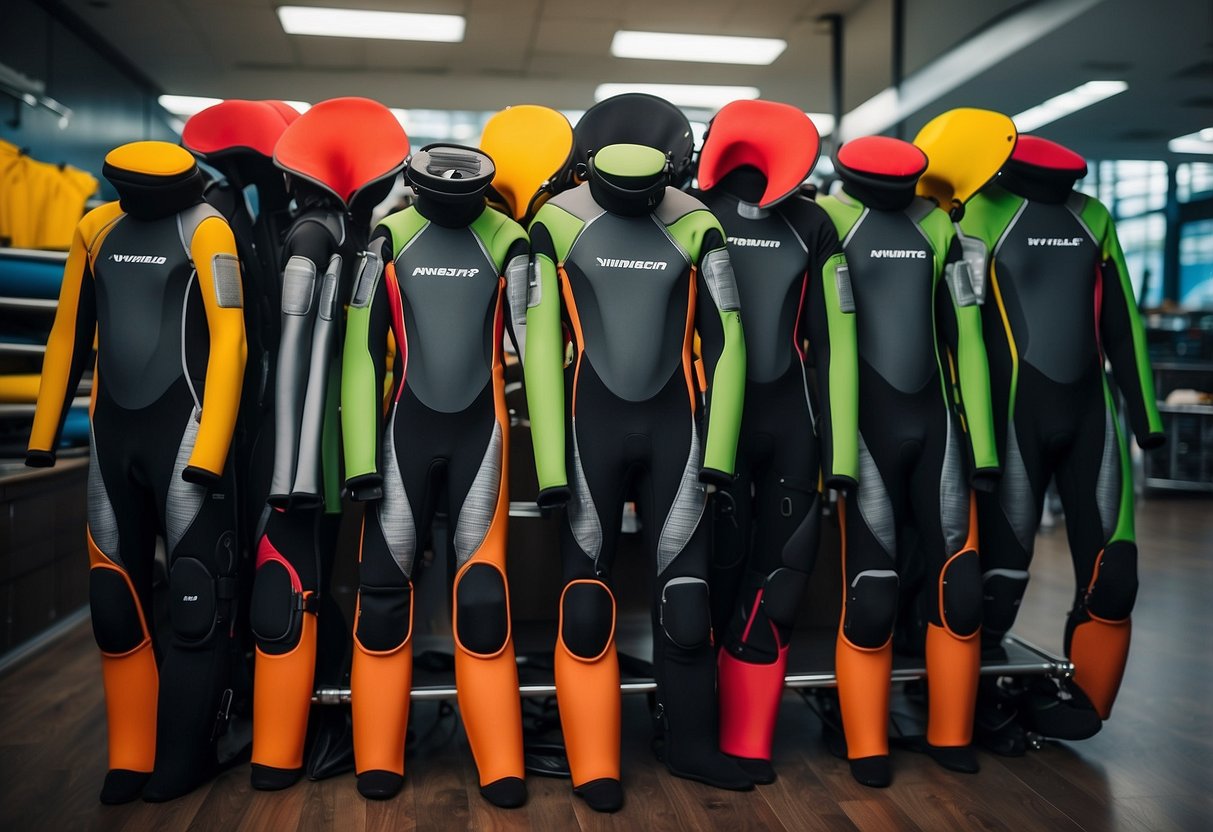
[871, 608]
[277, 608]
[960, 594]
[197, 601]
[117, 624]
[587, 619]
[1002, 590]
[482, 613]
[685, 613]
[1114, 590]
[385, 617]
[781, 594]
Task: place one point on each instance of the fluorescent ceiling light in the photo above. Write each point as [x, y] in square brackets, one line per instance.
[356, 23]
[1060, 106]
[684, 95]
[1199, 142]
[187, 105]
[712, 49]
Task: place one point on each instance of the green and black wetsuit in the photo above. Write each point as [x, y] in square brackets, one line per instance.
[1059, 305]
[918, 327]
[625, 272]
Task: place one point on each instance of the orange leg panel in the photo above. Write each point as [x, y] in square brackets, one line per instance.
[132, 685]
[864, 679]
[282, 697]
[1099, 650]
[379, 697]
[953, 668]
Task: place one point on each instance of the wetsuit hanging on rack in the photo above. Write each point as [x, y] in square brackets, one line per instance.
[341, 158]
[1059, 305]
[795, 438]
[914, 305]
[156, 278]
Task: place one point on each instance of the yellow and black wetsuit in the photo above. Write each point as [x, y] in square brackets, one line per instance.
[1060, 305]
[441, 277]
[156, 277]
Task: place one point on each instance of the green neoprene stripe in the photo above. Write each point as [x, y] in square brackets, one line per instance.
[974, 373]
[844, 375]
[988, 214]
[404, 226]
[844, 215]
[1124, 521]
[629, 160]
[939, 230]
[726, 389]
[563, 228]
[690, 230]
[543, 368]
[1095, 215]
[358, 395]
[498, 232]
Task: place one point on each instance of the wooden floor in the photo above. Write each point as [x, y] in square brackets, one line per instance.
[1151, 768]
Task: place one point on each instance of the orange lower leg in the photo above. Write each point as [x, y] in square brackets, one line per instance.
[588, 696]
[132, 685]
[1099, 650]
[282, 696]
[864, 677]
[379, 697]
[492, 715]
[953, 667]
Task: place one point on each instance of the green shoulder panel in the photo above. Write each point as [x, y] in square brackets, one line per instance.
[940, 232]
[844, 215]
[561, 225]
[404, 226]
[689, 231]
[497, 232]
[988, 214]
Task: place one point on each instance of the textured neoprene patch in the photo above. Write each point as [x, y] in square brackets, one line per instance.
[517, 286]
[328, 290]
[226, 269]
[298, 281]
[722, 283]
[370, 265]
[846, 298]
[960, 281]
[534, 288]
[975, 254]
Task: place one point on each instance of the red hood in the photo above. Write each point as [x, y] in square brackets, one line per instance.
[777, 139]
[343, 145]
[237, 125]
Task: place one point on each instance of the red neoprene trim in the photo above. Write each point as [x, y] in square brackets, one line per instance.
[343, 145]
[777, 139]
[237, 125]
[882, 156]
[1042, 153]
